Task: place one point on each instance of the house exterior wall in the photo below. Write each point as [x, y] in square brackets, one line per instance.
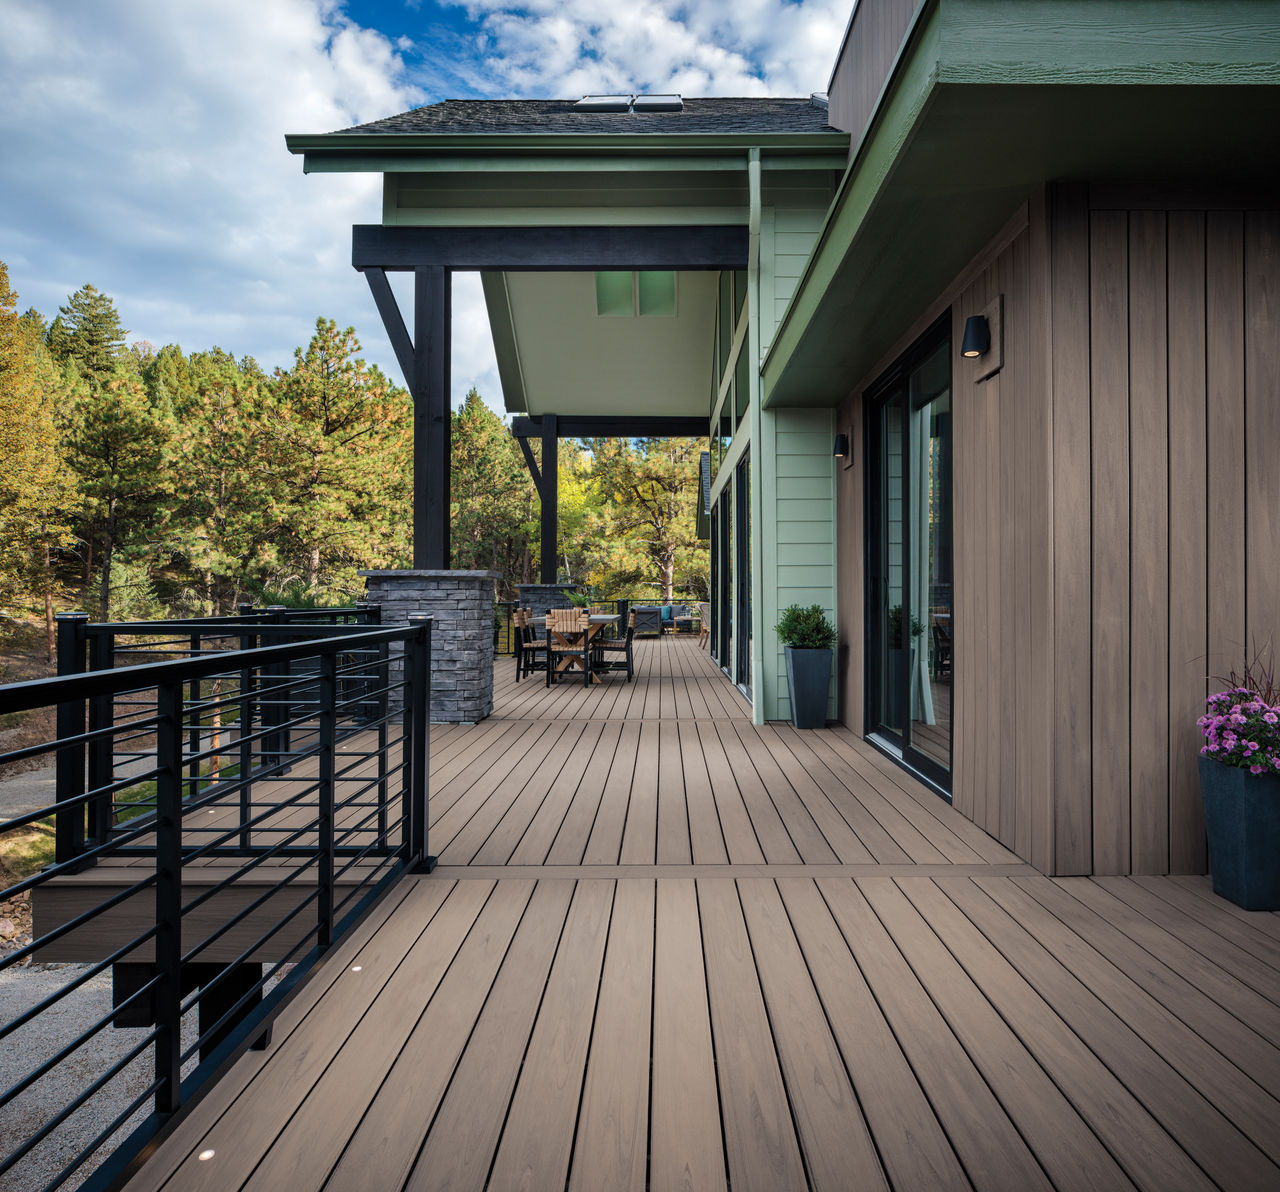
[872, 43]
[794, 465]
[1166, 370]
[1116, 516]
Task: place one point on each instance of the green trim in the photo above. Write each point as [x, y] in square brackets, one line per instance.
[338, 162]
[505, 348]
[868, 168]
[381, 152]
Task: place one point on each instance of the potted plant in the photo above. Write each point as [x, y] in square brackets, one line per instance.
[1240, 787]
[808, 637]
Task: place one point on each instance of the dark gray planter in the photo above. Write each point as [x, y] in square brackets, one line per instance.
[1242, 821]
[808, 679]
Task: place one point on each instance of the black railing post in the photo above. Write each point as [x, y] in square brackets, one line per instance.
[274, 711]
[381, 678]
[248, 641]
[197, 720]
[69, 782]
[418, 697]
[168, 991]
[102, 769]
[328, 718]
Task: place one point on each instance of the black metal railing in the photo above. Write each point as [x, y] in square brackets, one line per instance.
[244, 846]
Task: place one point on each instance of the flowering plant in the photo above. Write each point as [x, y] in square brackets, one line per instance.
[1241, 725]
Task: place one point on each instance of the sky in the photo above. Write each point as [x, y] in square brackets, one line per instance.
[142, 141]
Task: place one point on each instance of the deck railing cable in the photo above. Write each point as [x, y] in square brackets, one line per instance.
[272, 783]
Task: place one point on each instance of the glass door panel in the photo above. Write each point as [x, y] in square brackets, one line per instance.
[909, 535]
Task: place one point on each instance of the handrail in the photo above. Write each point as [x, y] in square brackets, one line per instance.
[300, 855]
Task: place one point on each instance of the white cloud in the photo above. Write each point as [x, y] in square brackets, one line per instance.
[571, 47]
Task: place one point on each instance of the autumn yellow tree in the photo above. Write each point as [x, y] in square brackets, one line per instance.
[36, 491]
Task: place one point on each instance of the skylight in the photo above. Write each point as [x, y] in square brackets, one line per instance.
[629, 103]
[658, 103]
[603, 103]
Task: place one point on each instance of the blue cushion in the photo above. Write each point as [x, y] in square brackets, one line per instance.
[666, 612]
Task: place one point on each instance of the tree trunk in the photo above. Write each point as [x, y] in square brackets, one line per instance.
[667, 575]
[313, 569]
[50, 639]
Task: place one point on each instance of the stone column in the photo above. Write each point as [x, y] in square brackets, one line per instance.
[540, 597]
[461, 637]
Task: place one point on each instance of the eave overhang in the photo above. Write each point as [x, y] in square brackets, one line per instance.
[413, 152]
[972, 122]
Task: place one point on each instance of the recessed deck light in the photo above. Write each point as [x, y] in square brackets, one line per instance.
[205, 1156]
[357, 968]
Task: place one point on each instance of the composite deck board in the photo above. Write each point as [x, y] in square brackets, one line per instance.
[668, 948]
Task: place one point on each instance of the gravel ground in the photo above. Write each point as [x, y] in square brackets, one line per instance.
[33, 1043]
[41, 1038]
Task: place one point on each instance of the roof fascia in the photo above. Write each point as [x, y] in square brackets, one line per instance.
[389, 152]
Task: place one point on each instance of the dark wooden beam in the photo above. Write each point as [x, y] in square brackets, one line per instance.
[550, 494]
[431, 430]
[550, 248]
[604, 426]
[392, 320]
[533, 463]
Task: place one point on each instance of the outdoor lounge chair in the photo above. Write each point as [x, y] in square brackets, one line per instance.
[616, 653]
[648, 619]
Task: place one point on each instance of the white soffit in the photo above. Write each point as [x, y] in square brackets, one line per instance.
[573, 361]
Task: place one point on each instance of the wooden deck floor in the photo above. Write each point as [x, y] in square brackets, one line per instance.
[667, 949]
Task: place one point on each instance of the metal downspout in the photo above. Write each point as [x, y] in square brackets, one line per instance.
[758, 675]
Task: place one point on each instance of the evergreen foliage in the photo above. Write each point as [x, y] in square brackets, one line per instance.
[165, 483]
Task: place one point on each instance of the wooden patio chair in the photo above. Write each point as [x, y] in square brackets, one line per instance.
[616, 653]
[704, 622]
[531, 650]
[568, 636]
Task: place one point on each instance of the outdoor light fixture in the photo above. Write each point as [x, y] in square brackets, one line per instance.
[977, 337]
[842, 446]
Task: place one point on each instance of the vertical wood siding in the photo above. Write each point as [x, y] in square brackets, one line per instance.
[1182, 339]
[1117, 520]
[876, 32]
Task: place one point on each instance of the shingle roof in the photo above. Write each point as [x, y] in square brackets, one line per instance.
[516, 116]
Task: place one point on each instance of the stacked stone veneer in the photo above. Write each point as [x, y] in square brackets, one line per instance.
[540, 597]
[461, 602]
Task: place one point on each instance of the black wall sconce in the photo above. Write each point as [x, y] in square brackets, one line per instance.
[983, 341]
[977, 337]
[842, 447]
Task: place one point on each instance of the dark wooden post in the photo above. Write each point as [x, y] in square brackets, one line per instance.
[431, 430]
[550, 493]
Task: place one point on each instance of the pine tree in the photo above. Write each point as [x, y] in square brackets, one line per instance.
[87, 334]
[493, 503]
[338, 442]
[118, 445]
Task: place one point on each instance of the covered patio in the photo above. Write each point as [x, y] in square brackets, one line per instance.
[665, 947]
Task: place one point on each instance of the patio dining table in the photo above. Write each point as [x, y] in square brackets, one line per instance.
[573, 641]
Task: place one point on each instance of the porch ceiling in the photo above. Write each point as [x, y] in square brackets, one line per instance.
[557, 356]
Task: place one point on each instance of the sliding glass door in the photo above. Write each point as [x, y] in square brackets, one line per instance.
[909, 545]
